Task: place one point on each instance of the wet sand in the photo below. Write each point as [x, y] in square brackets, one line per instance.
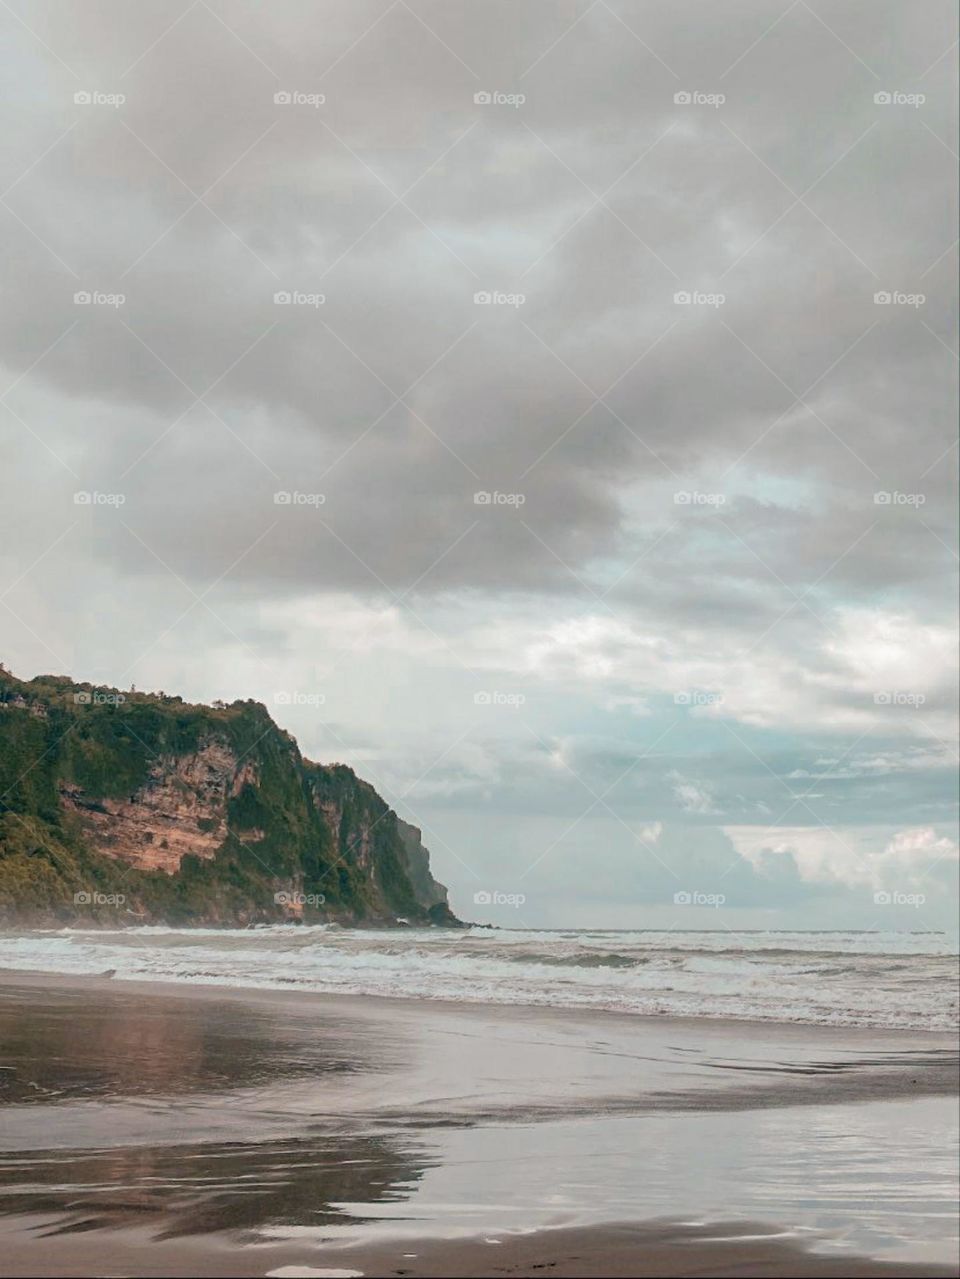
[156, 1129]
[658, 1251]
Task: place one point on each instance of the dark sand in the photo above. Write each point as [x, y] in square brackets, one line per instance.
[153, 1129]
[657, 1250]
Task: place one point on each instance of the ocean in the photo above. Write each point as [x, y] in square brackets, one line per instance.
[879, 979]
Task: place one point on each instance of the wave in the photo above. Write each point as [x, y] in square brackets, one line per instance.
[610, 960]
[899, 982]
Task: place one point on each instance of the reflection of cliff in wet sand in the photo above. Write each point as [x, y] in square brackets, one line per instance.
[188, 1190]
[116, 1044]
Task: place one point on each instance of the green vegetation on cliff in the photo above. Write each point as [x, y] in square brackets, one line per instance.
[118, 808]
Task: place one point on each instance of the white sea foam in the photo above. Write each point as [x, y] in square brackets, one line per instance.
[312, 1272]
[841, 978]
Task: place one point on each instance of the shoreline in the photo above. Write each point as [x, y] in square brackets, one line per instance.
[213, 989]
[611, 1062]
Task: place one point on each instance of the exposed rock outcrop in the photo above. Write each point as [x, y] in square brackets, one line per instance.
[180, 809]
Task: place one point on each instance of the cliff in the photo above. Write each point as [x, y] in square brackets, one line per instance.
[119, 808]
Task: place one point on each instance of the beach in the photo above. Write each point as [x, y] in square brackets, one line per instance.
[162, 1128]
[479, 696]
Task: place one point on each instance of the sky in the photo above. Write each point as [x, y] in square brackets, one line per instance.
[546, 408]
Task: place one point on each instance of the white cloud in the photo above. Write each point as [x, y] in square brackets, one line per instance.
[857, 857]
[694, 797]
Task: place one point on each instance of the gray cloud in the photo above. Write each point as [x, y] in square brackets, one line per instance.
[599, 400]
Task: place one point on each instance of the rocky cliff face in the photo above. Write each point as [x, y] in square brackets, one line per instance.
[180, 810]
[119, 808]
[418, 866]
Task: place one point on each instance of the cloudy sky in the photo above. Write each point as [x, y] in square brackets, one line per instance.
[547, 408]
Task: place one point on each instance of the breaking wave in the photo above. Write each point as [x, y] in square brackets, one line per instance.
[855, 978]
